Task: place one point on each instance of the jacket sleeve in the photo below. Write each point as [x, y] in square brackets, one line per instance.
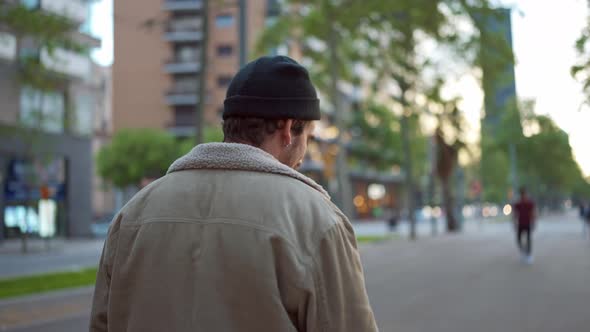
[341, 302]
[99, 316]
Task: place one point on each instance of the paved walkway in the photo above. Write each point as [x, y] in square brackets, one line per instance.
[476, 282]
[467, 282]
[47, 312]
[62, 255]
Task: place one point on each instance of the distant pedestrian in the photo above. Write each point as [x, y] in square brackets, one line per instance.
[393, 221]
[586, 220]
[524, 219]
[582, 213]
[234, 238]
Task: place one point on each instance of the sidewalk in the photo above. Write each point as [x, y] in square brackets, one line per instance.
[74, 254]
[471, 225]
[475, 281]
[411, 284]
[34, 311]
[423, 227]
[62, 255]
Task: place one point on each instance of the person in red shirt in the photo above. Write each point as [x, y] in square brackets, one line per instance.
[524, 215]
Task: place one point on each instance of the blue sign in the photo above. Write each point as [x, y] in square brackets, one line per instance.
[24, 179]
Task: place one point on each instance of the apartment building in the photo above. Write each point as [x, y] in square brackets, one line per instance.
[45, 180]
[157, 64]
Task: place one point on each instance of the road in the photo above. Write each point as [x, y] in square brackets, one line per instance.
[469, 282]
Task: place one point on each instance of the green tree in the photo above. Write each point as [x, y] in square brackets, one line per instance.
[497, 163]
[581, 70]
[494, 169]
[210, 134]
[383, 35]
[548, 165]
[324, 30]
[136, 153]
[392, 38]
[376, 140]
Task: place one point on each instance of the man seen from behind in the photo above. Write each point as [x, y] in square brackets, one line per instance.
[233, 238]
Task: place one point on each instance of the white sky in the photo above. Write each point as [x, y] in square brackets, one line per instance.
[543, 37]
[544, 33]
[101, 25]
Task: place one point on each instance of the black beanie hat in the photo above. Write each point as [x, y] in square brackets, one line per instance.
[272, 88]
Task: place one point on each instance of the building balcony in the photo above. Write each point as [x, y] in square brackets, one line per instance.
[182, 5]
[85, 39]
[179, 98]
[74, 10]
[183, 35]
[182, 67]
[66, 62]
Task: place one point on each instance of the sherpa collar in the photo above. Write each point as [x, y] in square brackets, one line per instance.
[233, 156]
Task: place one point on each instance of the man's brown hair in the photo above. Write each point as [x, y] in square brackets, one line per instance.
[255, 130]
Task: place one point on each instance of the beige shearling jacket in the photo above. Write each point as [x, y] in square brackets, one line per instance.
[231, 240]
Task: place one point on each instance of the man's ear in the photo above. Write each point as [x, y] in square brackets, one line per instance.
[285, 133]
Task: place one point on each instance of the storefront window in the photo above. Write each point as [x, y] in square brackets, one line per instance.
[34, 192]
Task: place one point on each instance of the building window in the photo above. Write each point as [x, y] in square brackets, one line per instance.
[223, 81]
[7, 46]
[186, 85]
[188, 23]
[82, 114]
[224, 20]
[186, 54]
[43, 111]
[184, 116]
[225, 50]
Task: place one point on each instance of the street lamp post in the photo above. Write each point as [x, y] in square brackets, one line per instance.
[202, 79]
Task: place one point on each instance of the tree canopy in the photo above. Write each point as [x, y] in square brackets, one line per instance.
[545, 161]
[134, 154]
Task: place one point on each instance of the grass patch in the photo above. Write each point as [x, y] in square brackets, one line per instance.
[41, 283]
[373, 238]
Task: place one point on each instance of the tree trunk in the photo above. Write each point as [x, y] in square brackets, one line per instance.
[407, 150]
[431, 184]
[345, 195]
[449, 204]
[445, 164]
[409, 181]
